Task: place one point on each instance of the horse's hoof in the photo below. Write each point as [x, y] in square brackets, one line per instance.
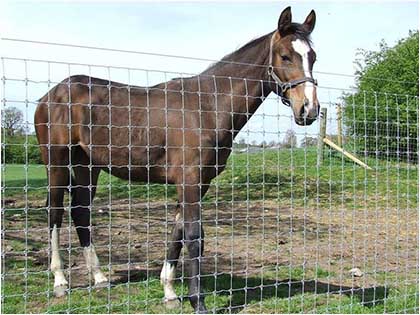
[201, 310]
[101, 285]
[171, 304]
[60, 291]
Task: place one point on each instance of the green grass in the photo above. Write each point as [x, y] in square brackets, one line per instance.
[287, 175]
[285, 290]
[281, 176]
[17, 176]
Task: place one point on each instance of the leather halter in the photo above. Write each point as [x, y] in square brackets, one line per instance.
[284, 86]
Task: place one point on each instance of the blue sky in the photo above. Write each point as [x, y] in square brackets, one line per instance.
[199, 29]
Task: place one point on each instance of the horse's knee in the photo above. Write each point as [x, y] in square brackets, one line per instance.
[80, 214]
[80, 197]
[194, 238]
[193, 231]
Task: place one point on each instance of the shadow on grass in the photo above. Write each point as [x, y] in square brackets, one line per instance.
[251, 290]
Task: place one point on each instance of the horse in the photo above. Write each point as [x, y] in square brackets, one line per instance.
[177, 132]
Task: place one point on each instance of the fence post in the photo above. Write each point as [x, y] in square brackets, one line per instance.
[339, 126]
[321, 136]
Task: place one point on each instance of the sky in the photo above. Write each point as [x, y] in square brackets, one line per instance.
[199, 29]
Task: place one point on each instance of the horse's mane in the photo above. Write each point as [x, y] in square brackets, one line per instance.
[296, 29]
[252, 43]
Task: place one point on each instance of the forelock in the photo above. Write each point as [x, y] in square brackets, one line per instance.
[299, 32]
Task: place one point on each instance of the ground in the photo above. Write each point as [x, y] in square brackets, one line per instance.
[267, 250]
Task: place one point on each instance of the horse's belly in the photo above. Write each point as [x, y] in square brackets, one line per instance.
[136, 163]
[154, 174]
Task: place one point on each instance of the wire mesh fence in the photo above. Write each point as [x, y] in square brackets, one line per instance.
[283, 233]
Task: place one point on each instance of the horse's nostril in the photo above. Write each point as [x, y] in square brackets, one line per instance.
[302, 111]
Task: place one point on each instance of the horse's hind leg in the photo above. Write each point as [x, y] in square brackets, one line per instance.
[167, 275]
[58, 178]
[83, 192]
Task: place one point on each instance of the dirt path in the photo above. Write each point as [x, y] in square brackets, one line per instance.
[243, 239]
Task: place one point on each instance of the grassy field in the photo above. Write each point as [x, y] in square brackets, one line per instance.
[294, 290]
[274, 174]
[300, 227]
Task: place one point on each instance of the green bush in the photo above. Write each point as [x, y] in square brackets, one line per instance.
[382, 116]
[21, 150]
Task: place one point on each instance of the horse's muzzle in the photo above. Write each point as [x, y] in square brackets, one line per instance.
[304, 121]
[308, 114]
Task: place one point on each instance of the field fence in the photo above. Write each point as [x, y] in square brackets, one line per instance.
[283, 232]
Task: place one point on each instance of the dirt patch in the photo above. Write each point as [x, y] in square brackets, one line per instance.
[242, 239]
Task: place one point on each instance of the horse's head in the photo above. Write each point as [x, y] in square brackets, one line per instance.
[290, 65]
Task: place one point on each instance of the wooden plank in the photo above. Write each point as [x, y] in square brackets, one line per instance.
[349, 155]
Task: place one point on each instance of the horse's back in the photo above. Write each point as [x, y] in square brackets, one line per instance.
[128, 129]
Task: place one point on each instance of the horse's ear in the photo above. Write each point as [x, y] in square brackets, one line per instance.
[309, 23]
[285, 21]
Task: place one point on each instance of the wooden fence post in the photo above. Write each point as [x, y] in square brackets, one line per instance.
[339, 126]
[321, 136]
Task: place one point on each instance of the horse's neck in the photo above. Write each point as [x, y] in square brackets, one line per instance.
[239, 84]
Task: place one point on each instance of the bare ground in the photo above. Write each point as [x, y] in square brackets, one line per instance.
[244, 239]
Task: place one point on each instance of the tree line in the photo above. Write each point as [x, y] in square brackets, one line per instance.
[289, 141]
[19, 145]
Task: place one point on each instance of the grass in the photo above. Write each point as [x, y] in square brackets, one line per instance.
[285, 290]
[284, 176]
[287, 175]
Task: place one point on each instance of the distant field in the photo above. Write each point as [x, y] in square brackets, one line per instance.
[289, 175]
[275, 224]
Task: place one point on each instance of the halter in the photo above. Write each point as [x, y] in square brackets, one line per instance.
[284, 86]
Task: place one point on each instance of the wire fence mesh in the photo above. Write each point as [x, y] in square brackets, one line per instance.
[283, 233]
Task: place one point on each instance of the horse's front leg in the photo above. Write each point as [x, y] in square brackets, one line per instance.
[194, 240]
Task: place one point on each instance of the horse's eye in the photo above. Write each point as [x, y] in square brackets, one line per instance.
[286, 58]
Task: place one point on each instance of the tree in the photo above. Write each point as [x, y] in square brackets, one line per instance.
[381, 117]
[12, 121]
[272, 144]
[308, 141]
[289, 140]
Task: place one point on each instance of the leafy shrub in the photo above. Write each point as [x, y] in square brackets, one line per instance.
[18, 150]
[382, 116]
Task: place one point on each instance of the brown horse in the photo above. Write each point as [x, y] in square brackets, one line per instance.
[178, 132]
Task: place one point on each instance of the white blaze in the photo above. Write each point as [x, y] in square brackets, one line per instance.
[302, 48]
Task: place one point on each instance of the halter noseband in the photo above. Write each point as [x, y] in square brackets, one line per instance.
[284, 86]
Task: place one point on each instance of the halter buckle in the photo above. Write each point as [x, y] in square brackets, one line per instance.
[285, 86]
